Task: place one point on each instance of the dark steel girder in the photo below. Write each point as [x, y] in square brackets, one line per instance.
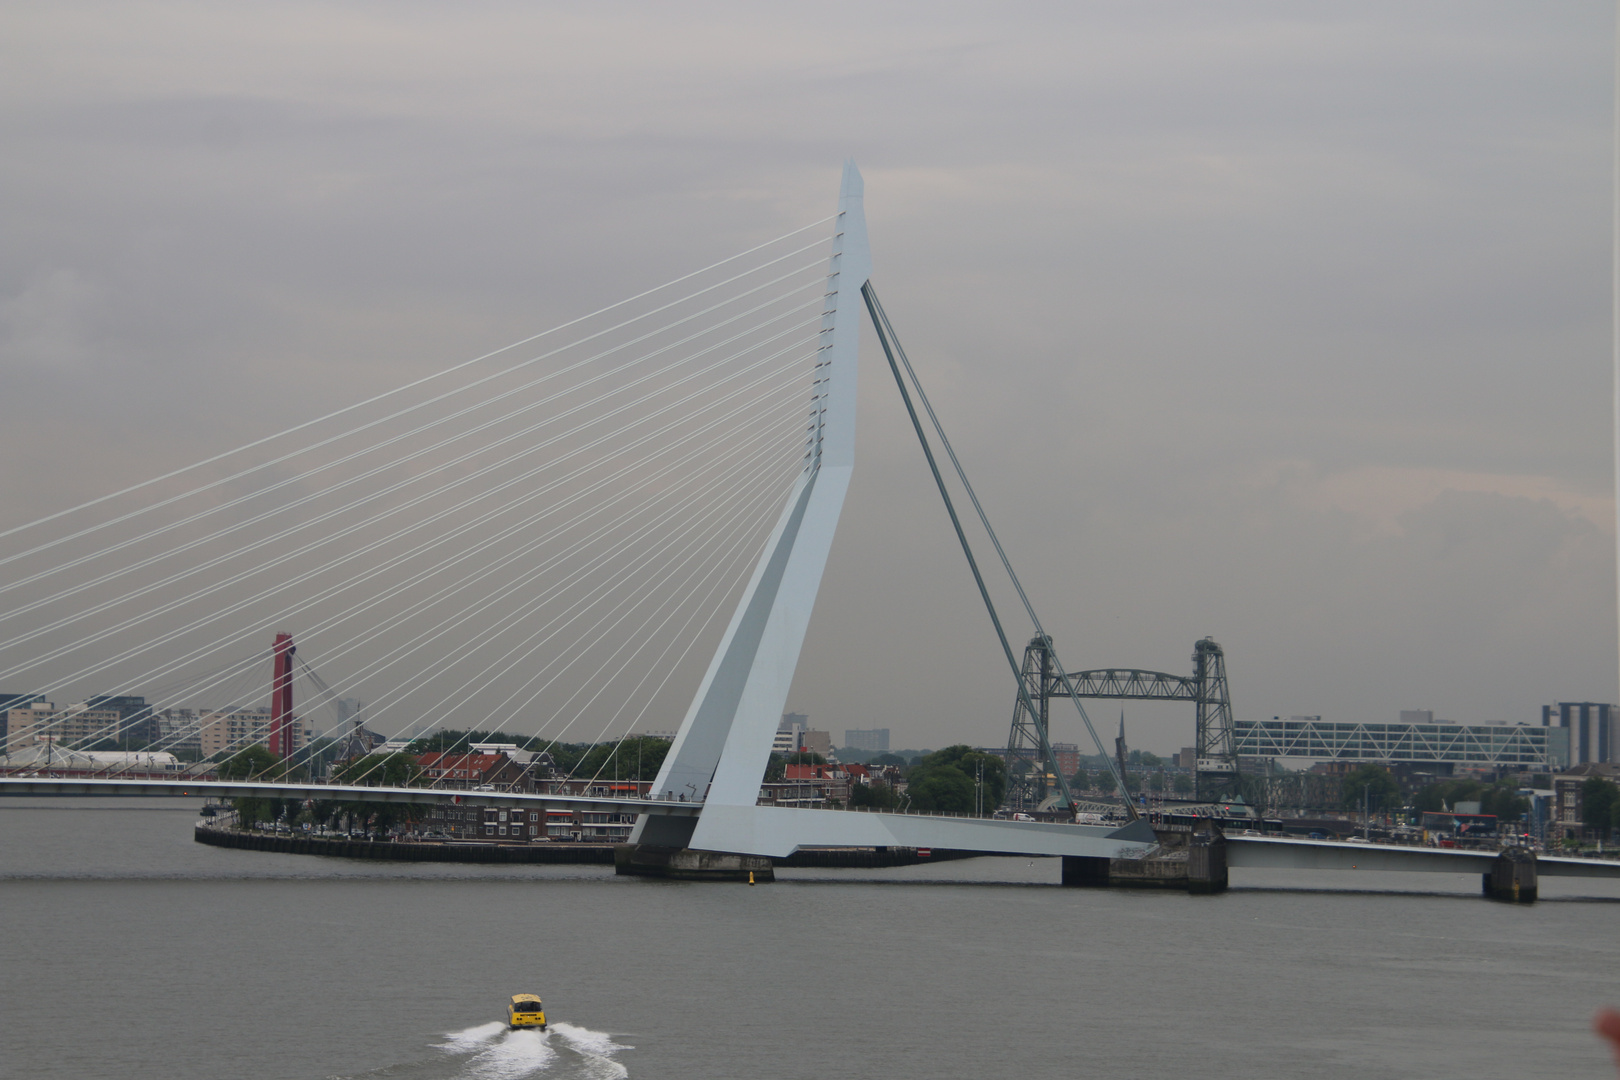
[1130, 683]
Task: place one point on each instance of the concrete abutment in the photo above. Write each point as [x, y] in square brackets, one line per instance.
[1194, 861]
[685, 864]
[1512, 877]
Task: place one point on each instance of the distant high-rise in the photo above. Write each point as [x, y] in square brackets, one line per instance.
[874, 740]
[14, 701]
[790, 732]
[1594, 729]
[135, 716]
[794, 733]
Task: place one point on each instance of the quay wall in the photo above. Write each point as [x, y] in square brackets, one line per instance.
[343, 848]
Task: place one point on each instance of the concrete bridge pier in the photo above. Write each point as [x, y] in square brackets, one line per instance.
[1195, 862]
[1206, 860]
[685, 864]
[1085, 872]
[1512, 877]
[660, 847]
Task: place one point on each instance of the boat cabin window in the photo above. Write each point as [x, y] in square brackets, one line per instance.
[525, 1006]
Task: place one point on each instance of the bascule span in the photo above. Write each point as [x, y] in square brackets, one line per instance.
[762, 831]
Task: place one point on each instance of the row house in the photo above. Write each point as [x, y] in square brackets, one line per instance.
[891, 776]
[488, 822]
[825, 786]
[531, 824]
[1567, 810]
[832, 779]
[460, 769]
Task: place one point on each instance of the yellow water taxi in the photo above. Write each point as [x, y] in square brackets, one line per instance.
[525, 1012]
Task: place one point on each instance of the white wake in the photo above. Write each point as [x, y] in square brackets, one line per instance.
[565, 1050]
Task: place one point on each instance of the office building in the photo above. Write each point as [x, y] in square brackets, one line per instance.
[872, 740]
[1591, 728]
[221, 730]
[72, 725]
[1445, 745]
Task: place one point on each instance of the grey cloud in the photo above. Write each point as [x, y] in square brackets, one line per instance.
[1166, 249]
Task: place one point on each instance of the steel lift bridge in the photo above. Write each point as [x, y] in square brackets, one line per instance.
[1029, 749]
[702, 818]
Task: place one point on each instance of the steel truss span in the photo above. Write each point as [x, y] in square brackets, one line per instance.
[1217, 742]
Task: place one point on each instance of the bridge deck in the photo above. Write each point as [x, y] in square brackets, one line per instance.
[230, 789]
[1290, 854]
[779, 831]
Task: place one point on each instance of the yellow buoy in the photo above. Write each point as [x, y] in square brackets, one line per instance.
[750, 877]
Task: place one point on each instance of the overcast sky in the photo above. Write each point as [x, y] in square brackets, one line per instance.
[1285, 324]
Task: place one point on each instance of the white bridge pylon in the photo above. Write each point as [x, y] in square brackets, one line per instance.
[723, 745]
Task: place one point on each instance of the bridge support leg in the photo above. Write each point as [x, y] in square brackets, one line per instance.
[1512, 877]
[684, 864]
[1085, 872]
[1206, 861]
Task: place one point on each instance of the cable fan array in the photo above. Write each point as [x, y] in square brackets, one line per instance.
[544, 541]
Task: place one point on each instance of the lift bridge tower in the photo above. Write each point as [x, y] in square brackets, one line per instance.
[1033, 775]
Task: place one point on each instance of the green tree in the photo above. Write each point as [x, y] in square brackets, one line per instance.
[318, 755]
[1150, 761]
[945, 789]
[1379, 786]
[1504, 801]
[1080, 781]
[397, 769]
[1598, 803]
[888, 759]
[254, 762]
[250, 812]
[635, 758]
[1501, 799]
[948, 765]
[1182, 784]
[565, 756]
[876, 794]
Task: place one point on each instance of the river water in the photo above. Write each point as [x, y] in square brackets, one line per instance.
[131, 952]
